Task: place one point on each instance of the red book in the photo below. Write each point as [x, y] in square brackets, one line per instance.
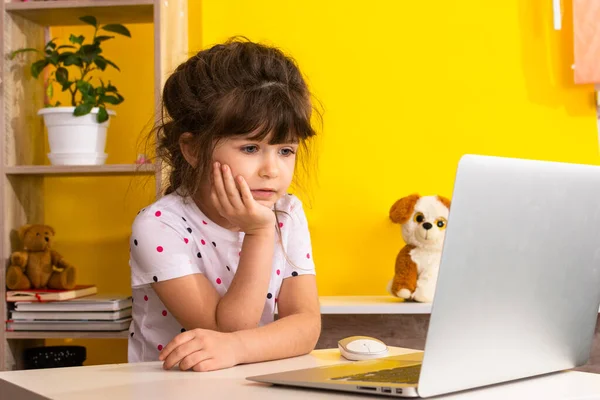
[42, 295]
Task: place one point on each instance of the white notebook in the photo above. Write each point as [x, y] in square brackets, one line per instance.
[97, 302]
[70, 315]
[118, 325]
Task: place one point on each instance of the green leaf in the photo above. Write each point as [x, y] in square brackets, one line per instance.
[102, 115]
[100, 62]
[65, 46]
[53, 59]
[88, 19]
[111, 64]
[66, 86]
[117, 28]
[84, 86]
[76, 39]
[37, 67]
[73, 59]
[14, 53]
[49, 90]
[110, 100]
[110, 88]
[51, 45]
[88, 99]
[90, 52]
[62, 75]
[57, 104]
[82, 109]
[99, 39]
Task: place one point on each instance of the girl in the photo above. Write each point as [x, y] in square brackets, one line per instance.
[212, 258]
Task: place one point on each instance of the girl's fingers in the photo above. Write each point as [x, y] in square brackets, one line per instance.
[194, 359]
[220, 188]
[208, 364]
[175, 343]
[183, 351]
[245, 191]
[215, 200]
[233, 194]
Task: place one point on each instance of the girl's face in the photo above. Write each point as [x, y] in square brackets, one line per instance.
[267, 168]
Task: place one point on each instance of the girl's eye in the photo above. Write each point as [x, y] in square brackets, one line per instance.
[287, 151]
[250, 149]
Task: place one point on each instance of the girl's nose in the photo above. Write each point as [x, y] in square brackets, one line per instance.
[269, 168]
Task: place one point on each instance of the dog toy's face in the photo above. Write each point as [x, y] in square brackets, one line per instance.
[423, 219]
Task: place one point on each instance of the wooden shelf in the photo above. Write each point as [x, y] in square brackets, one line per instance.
[370, 305]
[107, 169]
[66, 335]
[67, 12]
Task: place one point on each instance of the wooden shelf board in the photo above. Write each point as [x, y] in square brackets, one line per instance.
[67, 12]
[66, 335]
[370, 305]
[107, 169]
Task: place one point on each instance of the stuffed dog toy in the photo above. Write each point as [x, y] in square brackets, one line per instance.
[423, 221]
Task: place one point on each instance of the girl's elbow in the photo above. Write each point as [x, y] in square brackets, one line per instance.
[315, 333]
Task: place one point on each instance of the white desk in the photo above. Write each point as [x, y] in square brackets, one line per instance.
[148, 381]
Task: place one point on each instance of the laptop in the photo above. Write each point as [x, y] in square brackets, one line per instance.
[518, 291]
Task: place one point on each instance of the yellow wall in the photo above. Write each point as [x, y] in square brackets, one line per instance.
[407, 89]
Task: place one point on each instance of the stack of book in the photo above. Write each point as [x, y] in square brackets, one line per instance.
[93, 312]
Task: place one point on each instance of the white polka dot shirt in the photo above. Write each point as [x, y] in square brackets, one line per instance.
[173, 238]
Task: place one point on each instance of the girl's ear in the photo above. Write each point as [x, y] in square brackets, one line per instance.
[403, 208]
[186, 143]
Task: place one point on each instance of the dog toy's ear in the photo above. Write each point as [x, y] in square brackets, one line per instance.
[444, 201]
[403, 208]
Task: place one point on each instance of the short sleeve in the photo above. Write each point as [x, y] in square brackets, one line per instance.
[299, 249]
[160, 252]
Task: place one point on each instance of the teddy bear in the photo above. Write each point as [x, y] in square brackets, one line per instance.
[38, 266]
[423, 221]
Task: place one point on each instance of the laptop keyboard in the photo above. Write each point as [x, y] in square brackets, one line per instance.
[393, 375]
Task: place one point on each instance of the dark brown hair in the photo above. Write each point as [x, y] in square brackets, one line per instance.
[230, 89]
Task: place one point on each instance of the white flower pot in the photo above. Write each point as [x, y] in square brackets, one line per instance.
[75, 140]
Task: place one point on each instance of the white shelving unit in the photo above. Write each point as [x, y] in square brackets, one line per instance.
[22, 157]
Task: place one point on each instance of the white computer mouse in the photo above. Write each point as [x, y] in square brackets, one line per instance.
[357, 348]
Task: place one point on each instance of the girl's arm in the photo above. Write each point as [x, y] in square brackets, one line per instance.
[195, 303]
[242, 306]
[295, 333]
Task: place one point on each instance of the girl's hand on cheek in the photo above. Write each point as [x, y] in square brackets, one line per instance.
[234, 201]
[202, 350]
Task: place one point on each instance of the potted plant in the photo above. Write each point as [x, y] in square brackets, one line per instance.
[77, 133]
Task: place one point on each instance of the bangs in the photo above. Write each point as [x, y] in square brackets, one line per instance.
[265, 110]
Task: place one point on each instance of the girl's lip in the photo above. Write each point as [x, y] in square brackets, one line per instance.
[263, 193]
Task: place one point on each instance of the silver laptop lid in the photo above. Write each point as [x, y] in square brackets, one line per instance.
[519, 284]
